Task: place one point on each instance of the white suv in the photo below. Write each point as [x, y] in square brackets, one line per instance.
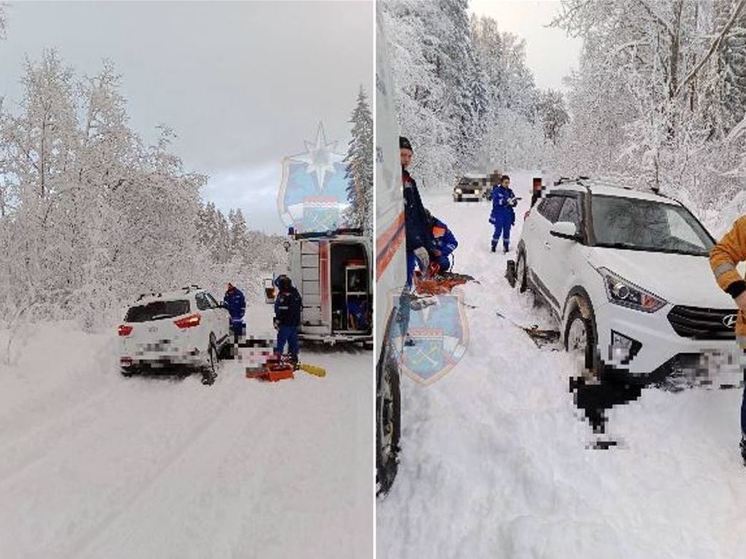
[628, 276]
[185, 327]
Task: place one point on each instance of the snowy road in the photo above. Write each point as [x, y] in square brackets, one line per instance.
[493, 460]
[93, 465]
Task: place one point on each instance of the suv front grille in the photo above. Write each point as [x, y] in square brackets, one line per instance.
[702, 324]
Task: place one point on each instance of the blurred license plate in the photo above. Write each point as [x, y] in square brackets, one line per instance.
[154, 347]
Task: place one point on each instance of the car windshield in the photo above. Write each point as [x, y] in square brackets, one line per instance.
[157, 310]
[647, 225]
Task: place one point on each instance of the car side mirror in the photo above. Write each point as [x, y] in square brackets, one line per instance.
[565, 230]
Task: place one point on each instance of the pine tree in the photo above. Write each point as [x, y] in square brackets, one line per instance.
[359, 161]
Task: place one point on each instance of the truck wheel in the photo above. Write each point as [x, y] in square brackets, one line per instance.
[388, 425]
[580, 341]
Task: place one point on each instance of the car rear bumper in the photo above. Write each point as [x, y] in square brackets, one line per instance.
[470, 197]
[160, 360]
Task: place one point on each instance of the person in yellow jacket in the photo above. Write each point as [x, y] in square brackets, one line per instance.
[724, 257]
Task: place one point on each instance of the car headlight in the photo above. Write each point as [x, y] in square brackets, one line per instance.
[458, 191]
[627, 294]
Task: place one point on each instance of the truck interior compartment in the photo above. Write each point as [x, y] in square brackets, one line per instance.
[351, 299]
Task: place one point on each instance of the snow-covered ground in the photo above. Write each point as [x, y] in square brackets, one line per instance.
[94, 465]
[494, 460]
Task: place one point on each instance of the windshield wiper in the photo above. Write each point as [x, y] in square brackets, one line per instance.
[621, 245]
[159, 316]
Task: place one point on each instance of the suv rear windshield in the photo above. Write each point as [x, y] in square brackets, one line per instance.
[647, 225]
[157, 310]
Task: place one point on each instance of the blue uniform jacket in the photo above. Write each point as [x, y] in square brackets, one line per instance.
[288, 305]
[447, 242]
[235, 302]
[502, 211]
[415, 218]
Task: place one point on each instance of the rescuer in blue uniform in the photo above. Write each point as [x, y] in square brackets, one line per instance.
[503, 214]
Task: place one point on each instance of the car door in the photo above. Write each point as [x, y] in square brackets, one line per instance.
[539, 259]
[208, 316]
[221, 316]
[563, 254]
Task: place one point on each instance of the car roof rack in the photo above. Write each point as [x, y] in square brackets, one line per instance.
[190, 288]
[150, 294]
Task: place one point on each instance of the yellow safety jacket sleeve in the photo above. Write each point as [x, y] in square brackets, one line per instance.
[726, 254]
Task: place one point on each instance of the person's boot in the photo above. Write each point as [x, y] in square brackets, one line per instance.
[743, 449]
[506, 249]
[494, 246]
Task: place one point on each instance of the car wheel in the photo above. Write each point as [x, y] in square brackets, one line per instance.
[126, 372]
[388, 425]
[211, 367]
[580, 342]
[521, 271]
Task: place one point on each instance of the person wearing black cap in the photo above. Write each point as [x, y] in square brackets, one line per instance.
[419, 241]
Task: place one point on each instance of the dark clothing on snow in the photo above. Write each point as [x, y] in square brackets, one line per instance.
[415, 217]
[288, 307]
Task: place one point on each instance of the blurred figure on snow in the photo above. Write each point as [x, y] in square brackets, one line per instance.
[503, 215]
[419, 240]
[287, 317]
[236, 304]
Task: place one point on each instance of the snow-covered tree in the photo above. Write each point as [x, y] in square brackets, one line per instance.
[359, 161]
[656, 97]
[464, 91]
[90, 217]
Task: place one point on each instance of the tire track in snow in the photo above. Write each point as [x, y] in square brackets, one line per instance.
[227, 400]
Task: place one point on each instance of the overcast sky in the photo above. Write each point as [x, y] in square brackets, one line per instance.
[550, 53]
[242, 84]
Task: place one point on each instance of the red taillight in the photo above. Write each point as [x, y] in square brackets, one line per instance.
[124, 330]
[188, 321]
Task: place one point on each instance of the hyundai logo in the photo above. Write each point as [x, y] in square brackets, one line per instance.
[730, 320]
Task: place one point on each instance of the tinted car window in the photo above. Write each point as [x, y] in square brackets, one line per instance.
[202, 302]
[570, 211]
[212, 300]
[157, 310]
[550, 207]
